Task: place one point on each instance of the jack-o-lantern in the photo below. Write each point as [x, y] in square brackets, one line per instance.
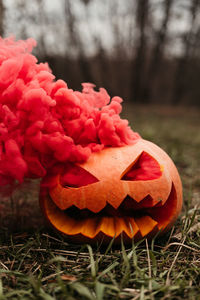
[134, 191]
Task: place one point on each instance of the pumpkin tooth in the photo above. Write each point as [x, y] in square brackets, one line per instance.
[146, 224]
[159, 204]
[58, 218]
[130, 204]
[69, 226]
[107, 226]
[77, 228]
[132, 227]
[116, 226]
[148, 201]
[119, 225]
[90, 228]
[86, 227]
[126, 225]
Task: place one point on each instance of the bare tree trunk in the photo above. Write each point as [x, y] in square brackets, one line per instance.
[44, 22]
[77, 43]
[157, 53]
[104, 68]
[180, 79]
[2, 10]
[139, 63]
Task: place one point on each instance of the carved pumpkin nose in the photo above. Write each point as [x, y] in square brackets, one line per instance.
[133, 190]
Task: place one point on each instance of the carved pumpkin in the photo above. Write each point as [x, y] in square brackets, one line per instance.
[133, 190]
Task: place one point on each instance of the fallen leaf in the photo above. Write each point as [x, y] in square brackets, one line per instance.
[68, 277]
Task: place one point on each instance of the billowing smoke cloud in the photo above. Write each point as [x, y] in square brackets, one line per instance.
[43, 122]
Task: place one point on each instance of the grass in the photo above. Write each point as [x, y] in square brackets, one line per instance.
[37, 263]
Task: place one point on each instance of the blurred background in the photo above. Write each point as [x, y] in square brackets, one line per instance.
[146, 51]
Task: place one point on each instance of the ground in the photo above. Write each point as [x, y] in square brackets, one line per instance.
[37, 263]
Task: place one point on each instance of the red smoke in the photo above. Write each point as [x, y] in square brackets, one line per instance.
[43, 122]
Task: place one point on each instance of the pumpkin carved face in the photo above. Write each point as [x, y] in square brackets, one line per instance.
[133, 190]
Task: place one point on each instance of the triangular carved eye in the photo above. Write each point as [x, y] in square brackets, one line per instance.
[75, 177]
[144, 168]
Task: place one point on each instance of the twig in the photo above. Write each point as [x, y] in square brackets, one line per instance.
[180, 244]
[51, 276]
[149, 267]
[4, 266]
[53, 238]
[173, 263]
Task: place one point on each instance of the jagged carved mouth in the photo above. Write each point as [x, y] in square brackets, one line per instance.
[130, 218]
[128, 208]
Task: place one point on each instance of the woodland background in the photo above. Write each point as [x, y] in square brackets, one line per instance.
[146, 51]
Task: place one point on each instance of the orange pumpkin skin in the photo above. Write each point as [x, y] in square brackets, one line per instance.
[137, 194]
